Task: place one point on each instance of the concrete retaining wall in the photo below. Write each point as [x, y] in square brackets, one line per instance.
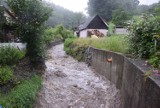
[136, 93]
[21, 46]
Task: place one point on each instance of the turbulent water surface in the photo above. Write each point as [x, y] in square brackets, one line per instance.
[71, 84]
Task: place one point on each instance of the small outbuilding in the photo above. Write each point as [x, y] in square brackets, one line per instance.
[94, 26]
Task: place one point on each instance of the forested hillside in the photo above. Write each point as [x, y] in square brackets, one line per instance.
[118, 11]
[67, 18]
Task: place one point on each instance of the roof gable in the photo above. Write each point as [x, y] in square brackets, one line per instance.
[95, 22]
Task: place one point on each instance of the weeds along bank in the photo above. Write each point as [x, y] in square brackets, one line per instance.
[77, 46]
[19, 84]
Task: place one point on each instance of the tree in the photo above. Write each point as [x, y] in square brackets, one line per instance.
[120, 16]
[65, 17]
[104, 8]
[31, 16]
[101, 7]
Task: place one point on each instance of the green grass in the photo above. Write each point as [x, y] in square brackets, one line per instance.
[23, 95]
[111, 28]
[116, 43]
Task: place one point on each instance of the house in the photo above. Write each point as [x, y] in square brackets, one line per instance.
[7, 27]
[94, 26]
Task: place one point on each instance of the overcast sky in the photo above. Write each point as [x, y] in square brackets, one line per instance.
[80, 5]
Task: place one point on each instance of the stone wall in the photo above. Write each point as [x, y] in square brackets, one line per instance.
[128, 78]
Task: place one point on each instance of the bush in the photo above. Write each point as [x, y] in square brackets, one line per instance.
[23, 95]
[6, 75]
[10, 55]
[57, 33]
[64, 33]
[67, 45]
[155, 60]
[142, 34]
[111, 29]
[50, 35]
[77, 51]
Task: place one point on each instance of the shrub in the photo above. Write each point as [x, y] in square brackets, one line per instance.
[111, 30]
[6, 75]
[67, 45]
[50, 35]
[155, 60]
[77, 51]
[63, 32]
[142, 34]
[10, 55]
[23, 95]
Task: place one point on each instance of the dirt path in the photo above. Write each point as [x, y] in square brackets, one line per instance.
[70, 84]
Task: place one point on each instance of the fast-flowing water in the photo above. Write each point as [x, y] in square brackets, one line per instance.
[71, 84]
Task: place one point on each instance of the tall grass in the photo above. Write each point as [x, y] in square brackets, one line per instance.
[10, 55]
[23, 95]
[116, 43]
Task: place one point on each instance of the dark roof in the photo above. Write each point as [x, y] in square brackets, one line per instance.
[95, 22]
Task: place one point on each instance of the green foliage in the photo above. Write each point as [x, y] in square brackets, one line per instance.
[23, 95]
[104, 8]
[155, 60]
[67, 45]
[111, 29]
[51, 35]
[10, 55]
[116, 43]
[142, 36]
[67, 18]
[63, 32]
[120, 16]
[31, 16]
[77, 51]
[6, 75]
[77, 47]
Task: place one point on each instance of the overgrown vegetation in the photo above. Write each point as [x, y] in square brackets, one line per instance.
[23, 95]
[31, 16]
[57, 33]
[111, 29]
[77, 47]
[115, 43]
[10, 55]
[143, 36]
[6, 74]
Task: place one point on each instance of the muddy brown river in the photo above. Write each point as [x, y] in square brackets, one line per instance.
[72, 84]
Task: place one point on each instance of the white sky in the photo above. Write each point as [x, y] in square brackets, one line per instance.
[81, 5]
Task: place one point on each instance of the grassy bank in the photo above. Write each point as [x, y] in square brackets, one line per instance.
[23, 95]
[76, 47]
[116, 43]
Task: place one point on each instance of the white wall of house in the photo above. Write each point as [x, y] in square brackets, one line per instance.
[83, 33]
[121, 31]
[21, 46]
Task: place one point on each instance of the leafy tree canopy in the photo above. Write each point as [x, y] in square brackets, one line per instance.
[104, 8]
[31, 15]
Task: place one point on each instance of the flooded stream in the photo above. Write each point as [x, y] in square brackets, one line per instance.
[71, 84]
